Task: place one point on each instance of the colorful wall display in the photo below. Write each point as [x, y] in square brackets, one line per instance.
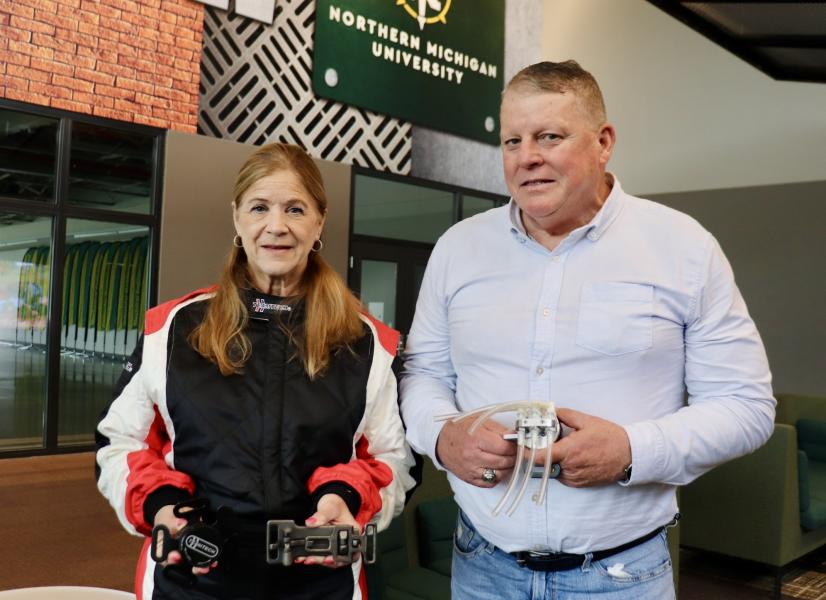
[104, 296]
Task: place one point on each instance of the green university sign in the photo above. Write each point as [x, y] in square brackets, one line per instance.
[434, 63]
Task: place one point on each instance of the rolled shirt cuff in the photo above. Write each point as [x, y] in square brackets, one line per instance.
[647, 452]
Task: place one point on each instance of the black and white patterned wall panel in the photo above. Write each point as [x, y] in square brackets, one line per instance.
[256, 88]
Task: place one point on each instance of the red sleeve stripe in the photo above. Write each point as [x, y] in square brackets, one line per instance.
[148, 471]
[157, 316]
[363, 583]
[140, 570]
[365, 474]
[388, 337]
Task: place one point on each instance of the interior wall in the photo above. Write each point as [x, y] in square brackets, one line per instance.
[773, 237]
[196, 218]
[257, 86]
[132, 61]
[689, 114]
[450, 159]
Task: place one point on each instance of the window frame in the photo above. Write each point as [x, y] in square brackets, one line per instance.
[458, 194]
[60, 210]
[361, 246]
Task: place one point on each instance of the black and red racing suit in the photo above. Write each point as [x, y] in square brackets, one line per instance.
[265, 443]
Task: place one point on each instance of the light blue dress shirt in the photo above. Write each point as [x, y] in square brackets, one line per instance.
[620, 320]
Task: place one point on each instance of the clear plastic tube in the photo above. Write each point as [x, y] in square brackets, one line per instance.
[490, 408]
[546, 472]
[509, 407]
[527, 476]
[520, 456]
[527, 411]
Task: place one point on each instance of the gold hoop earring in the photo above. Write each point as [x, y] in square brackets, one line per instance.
[320, 246]
[236, 241]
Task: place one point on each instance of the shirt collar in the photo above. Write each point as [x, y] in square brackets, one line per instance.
[593, 230]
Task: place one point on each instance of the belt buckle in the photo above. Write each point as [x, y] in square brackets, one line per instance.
[547, 561]
[524, 557]
[287, 541]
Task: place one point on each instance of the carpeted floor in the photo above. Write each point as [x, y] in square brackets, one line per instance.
[706, 576]
[808, 585]
[57, 529]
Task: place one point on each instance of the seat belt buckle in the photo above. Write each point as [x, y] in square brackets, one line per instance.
[287, 541]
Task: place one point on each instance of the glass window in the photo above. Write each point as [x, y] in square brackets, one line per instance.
[25, 250]
[98, 313]
[401, 211]
[105, 281]
[111, 169]
[28, 145]
[378, 289]
[472, 205]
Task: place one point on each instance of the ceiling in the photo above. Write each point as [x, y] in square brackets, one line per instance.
[785, 40]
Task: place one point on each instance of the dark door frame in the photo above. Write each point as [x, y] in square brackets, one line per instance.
[407, 255]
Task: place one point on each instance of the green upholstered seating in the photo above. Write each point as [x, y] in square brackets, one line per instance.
[811, 443]
[435, 523]
[769, 506]
[414, 552]
[392, 577]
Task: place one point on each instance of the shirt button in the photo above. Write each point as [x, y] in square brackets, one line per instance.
[539, 370]
[555, 259]
[546, 312]
[592, 236]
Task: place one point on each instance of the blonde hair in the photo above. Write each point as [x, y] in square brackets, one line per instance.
[332, 311]
[560, 78]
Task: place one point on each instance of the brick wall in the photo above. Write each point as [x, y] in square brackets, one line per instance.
[131, 60]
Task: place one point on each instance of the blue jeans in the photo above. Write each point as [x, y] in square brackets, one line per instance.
[481, 571]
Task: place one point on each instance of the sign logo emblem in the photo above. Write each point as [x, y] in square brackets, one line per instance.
[437, 9]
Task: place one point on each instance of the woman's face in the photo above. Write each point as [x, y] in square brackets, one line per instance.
[278, 223]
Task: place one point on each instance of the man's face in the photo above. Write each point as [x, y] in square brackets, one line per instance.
[554, 157]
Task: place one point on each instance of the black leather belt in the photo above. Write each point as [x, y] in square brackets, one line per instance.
[562, 561]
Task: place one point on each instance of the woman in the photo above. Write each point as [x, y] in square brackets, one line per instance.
[270, 394]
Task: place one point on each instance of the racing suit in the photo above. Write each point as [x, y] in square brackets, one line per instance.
[267, 443]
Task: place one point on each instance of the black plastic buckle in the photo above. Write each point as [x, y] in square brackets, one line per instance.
[200, 542]
[286, 541]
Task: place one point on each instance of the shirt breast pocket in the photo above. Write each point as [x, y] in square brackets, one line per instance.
[615, 318]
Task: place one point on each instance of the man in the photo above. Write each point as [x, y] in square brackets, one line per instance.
[609, 306]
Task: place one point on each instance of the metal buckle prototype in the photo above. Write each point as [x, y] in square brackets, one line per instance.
[286, 541]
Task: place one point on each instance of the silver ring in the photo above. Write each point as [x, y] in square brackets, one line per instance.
[489, 475]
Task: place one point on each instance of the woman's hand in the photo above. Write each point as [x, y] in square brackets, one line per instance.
[165, 516]
[332, 510]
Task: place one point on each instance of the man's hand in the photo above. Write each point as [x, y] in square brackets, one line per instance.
[331, 510]
[596, 451]
[467, 456]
